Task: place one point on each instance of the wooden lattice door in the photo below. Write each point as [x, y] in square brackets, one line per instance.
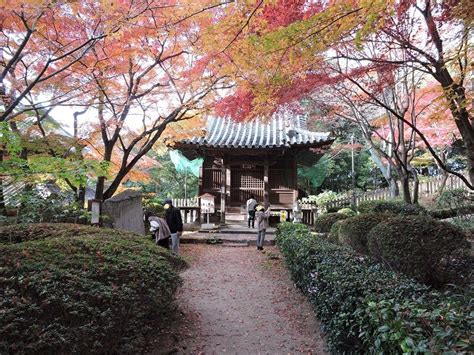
[245, 183]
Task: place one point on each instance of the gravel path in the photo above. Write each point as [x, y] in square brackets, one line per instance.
[237, 300]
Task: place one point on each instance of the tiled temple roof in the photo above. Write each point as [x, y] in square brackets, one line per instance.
[279, 132]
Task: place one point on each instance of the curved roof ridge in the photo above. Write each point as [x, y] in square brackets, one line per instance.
[281, 130]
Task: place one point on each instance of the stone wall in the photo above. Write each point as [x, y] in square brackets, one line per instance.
[125, 211]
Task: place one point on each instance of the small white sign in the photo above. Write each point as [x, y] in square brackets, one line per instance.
[207, 203]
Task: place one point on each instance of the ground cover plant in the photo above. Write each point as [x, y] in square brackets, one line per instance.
[365, 307]
[77, 289]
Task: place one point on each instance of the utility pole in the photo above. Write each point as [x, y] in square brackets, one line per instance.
[185, 183]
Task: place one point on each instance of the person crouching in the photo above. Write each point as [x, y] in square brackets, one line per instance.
[160, 230]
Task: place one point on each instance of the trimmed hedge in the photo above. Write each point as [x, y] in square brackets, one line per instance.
[37, 231]
[367, 308]
[82, 289]
[348, 212]
[333, 235]
[353, 231]
[419, 246]
[323, 223]
[393, 207]
[452, 212]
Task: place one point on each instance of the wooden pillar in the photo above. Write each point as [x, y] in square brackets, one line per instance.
[200, 192]
[266, 194]
[227, 183]
[223, 190]
[294, 176]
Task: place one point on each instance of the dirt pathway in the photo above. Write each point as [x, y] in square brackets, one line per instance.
[239, 300]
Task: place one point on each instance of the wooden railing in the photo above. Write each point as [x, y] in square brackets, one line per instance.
[186, 202]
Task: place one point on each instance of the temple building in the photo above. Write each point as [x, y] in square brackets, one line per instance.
[254, 158]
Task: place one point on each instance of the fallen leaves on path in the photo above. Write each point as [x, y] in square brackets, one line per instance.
[240, 300]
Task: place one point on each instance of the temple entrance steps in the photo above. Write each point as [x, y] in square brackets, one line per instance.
[232, 217]
[234, 209]
[230, 234]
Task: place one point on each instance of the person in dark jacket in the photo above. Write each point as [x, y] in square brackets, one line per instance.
[175, 223]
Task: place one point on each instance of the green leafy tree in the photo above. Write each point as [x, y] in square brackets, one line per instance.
[167, 181]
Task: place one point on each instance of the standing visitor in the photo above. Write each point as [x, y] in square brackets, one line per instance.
[297, 212]
[261, 217]
[175, 223]
[251, 204]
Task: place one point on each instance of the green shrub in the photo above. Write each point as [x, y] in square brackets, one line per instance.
[454, 198]
[353, 231]
[26, 232]
[366, 308]
[419, 246]
[393, 206]
[154, 209]
[83, 290]
[323, 223]
[333, 235]
[54, 208]
[348, 212]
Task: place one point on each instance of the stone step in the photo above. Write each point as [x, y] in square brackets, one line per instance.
[242, 231]
[230, 217]
[224, 240]
[234, 245]
[233, 210]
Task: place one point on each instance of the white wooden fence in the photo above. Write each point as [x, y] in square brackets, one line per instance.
[190, 210]
[427, 187]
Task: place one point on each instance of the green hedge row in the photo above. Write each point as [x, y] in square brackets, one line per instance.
[390, 206]
[76, 289]
[367, 308]
[323, 223]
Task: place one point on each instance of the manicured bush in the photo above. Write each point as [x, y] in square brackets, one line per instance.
[454, 198]
[365, 307]
[35, 231]
[461, 213]
[82, 290]
[348, 212]
[419, 246]
[323, 223]
[353, 231]
[333, 235]
[391, 206]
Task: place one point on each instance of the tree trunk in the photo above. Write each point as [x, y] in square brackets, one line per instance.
[405, 184]
[3, 207]
[81, 196]
[393, 187]
[416, 187]
[386, 171]
[99, 188]
[443, 182]
[406, 189]
[457, 101]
